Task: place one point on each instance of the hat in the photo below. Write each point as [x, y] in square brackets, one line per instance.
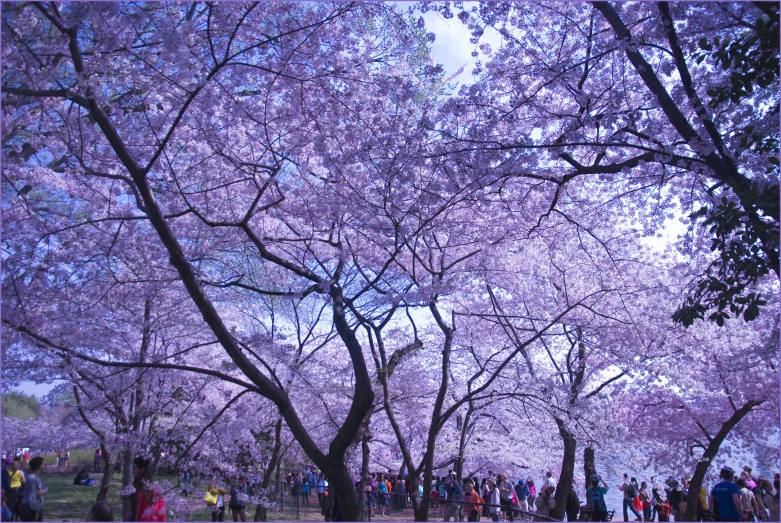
[672, 482]
[594, 477]
[521, 483]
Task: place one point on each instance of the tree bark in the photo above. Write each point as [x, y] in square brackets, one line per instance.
[567, 470]
[713, 448]
[365, 452]
[108, 473]
[127, 479]
[276, 452]
[589, 465]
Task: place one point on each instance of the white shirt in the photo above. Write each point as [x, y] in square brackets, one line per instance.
[550, 482]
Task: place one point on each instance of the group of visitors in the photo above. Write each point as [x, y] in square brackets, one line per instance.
[22, 494]
[457, 500]
[62, 459]
[736, 498]
[301, 484]
[215, 500]
[745, 497]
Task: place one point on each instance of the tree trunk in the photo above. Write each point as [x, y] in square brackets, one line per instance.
[713, 448]
[276, 453]
[344, 490]
[567, 470]
[108, 473]
[589, 465]
[127, 479]
[465, 426]
[365, 451]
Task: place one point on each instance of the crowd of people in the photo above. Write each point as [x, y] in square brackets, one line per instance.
[737, 497]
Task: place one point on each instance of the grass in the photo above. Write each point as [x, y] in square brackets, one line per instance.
[68, 502]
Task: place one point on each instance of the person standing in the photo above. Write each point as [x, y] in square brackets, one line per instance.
[96, 461]
[494, 508]
[674, 496]
[453, 496]
[400, 491]
[473, 501]
[382, 494]
[33, 492]
[305, 488]
[216, 503]
[630, 491]
[150, 502]
[645, 499]
[656, 502]
[15, 484]
[522, 492]
[532, 493]
[749, 507]
[506, 496]
[595, 497]
[322, 485]
[66, 458]
[550, 481]
[237, 504]
[573, 505]
[546, 502]
[725, 497]
[770, 500]
[749, 475]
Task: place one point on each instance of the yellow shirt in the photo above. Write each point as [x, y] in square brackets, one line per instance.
[16, 478]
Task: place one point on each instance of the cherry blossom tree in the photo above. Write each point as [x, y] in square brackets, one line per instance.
[719, 385]
[675, 104]
[118, 76]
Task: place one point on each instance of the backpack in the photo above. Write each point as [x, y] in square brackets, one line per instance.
[632, 491]
[596, 501]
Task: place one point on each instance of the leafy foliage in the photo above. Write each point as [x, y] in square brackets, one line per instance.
[20, 405]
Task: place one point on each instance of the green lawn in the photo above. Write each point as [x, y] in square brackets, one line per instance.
[68, 502]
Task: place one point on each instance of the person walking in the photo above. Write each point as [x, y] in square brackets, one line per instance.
[630, 491]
